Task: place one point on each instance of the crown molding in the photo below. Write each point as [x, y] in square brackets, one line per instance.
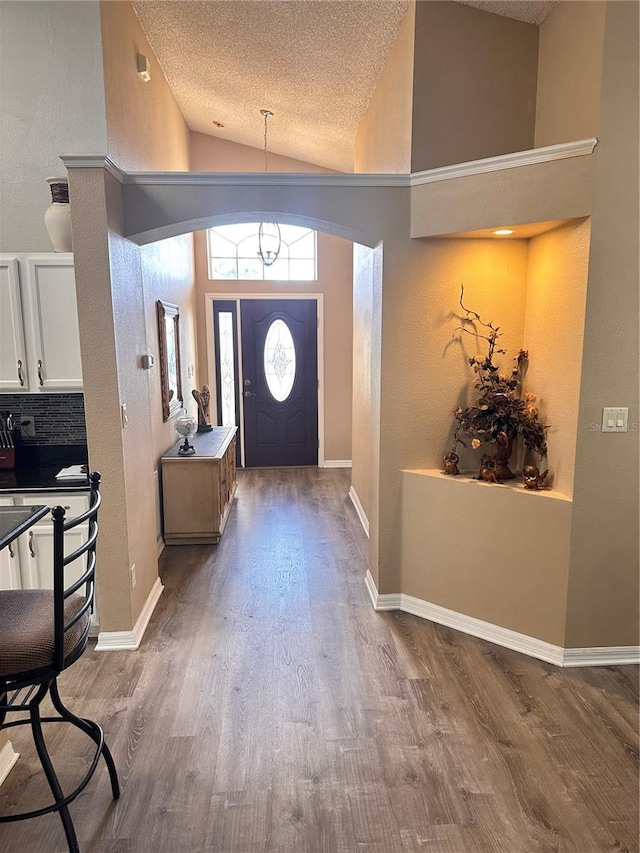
[94, 161]
[531, 157]
[235, 179]
[260, 179]
[332, 179]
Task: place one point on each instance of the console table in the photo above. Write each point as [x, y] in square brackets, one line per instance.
[197, 491]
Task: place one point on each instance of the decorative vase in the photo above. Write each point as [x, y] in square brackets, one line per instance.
[57, 217]
[186, 426]
[501, 458]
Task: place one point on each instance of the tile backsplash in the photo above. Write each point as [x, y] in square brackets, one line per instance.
[58, 418]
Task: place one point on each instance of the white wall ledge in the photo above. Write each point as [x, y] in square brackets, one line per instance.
[530, 157]
[469, 478]
[506, 161]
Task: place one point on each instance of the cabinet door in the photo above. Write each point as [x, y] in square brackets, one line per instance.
[55, 363]
[36, 556]
[36, 545]
[13, 362]
[9, 561]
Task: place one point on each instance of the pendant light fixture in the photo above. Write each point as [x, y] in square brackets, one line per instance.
[269, 238]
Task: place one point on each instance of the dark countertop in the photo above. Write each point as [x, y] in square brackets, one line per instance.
[37, 468]
[39, 479]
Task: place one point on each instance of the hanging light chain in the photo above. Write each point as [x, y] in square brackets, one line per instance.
[269, 237]
[267, 115]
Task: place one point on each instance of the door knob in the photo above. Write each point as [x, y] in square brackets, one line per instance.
[249, 394]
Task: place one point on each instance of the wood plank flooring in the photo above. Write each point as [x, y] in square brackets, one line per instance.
[271, 710]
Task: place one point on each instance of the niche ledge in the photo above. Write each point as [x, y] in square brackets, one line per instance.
[468, 478]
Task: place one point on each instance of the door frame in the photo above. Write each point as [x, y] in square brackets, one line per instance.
[209, 299]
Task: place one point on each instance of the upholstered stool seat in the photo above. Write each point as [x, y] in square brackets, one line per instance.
[42, 632]
[26, 640]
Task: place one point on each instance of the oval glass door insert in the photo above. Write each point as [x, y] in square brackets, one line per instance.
[279, 360]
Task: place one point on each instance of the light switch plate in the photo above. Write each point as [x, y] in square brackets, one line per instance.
[615, 419]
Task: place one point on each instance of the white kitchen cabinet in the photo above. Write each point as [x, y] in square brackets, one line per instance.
[40, 343]
[10, 577]
[35, 547]
[28, 562]
[13, 358]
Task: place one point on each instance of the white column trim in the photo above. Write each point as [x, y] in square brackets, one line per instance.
[115, 641]
[336, 463]
[94, 161]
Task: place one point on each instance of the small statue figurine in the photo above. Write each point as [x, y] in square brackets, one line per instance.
[451, 463]
[488, 471]
[532, 477]
[202, 399]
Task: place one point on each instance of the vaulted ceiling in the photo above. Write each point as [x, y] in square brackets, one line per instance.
[314, 63]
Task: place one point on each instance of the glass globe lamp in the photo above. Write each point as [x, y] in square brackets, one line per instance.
[186, 426]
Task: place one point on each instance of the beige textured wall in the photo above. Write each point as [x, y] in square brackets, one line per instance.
[210, 154]
[363, 287]
[425, 370]
[367, 349]
[145, 128]
[52, 103]
[474, 88]
[127, 280]
[383, 140]
[561, 189]
[95, 204]
[469, 547]
[553, 334]
[603, 583]
[569, 72]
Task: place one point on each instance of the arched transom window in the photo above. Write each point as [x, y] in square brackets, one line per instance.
[233, 253]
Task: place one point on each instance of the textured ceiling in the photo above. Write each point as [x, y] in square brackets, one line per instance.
[314, 63]
[529, 11]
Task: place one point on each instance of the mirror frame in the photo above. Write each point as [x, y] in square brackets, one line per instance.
[168, 343]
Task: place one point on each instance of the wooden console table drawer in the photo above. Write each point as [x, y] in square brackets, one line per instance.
[197, 491]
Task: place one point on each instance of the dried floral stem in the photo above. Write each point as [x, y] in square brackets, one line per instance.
[498, 413]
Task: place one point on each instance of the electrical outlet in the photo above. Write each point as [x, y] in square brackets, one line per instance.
[133, 576]
[27, 426]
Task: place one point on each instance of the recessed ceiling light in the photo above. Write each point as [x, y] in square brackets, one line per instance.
[217, 123]
[503, 232]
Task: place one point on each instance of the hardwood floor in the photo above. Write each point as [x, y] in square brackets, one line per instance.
[271, 710]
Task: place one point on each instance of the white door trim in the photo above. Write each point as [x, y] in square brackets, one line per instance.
[210, 298]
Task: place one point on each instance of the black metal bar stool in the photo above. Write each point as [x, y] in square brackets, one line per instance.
[42, 632]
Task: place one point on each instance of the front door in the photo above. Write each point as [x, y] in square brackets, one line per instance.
[280, 381]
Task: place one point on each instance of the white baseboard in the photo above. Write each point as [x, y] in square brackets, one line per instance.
[364, 521]
[602, 656]
[160, 545]
[557, 655]
[381, 602]
[8, 758]
[336, 463]
[117, 641]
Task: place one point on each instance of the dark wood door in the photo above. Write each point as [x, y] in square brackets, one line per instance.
[280, 391]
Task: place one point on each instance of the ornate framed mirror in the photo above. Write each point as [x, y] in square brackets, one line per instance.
[169, 350]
